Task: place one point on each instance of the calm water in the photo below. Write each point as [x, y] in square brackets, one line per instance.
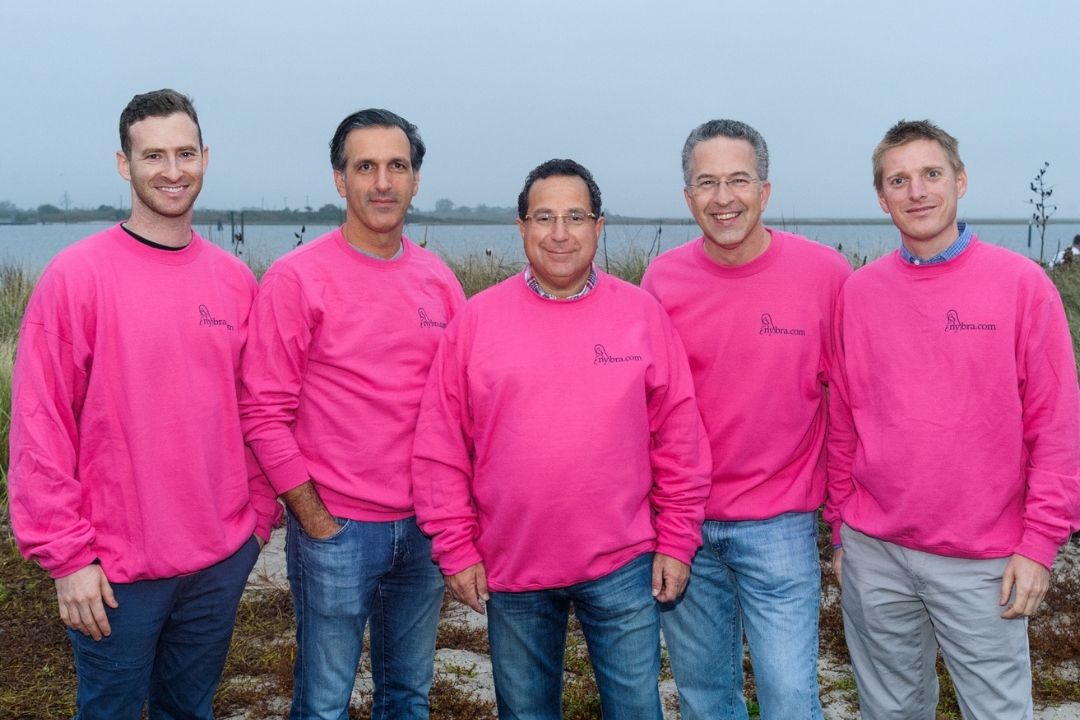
[32, 246]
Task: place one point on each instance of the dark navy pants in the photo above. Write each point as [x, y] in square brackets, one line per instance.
[168, 644]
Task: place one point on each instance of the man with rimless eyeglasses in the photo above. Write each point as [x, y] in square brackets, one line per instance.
[560, 461]
[753, 306]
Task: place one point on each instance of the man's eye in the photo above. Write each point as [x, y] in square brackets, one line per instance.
[707, 184]
[738, 183]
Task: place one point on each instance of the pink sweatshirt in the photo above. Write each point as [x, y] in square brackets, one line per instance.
[557, 441]
[125, 437]
[955, 411]
[758, 337]
[339, 352]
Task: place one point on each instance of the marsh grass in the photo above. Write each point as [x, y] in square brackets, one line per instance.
[478, 271]
[38, 678]
[1067, 279]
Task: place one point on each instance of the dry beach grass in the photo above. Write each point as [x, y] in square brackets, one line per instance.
[38, 678]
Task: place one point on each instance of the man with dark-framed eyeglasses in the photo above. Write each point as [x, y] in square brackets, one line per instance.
[560, 460]
[753, 306]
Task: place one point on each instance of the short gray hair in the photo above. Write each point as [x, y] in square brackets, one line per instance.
[729, 129]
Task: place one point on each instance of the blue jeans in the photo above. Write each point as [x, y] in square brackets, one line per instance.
[619, 619]
[168, 644]
[377, 571]
[761, 576]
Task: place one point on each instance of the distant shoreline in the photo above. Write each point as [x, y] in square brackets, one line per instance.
[270, 217]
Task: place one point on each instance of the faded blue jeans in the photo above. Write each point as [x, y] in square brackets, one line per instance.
[380, 572]
[761, 576]
[619, 619]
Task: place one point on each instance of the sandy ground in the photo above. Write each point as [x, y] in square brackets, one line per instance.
[474, 670]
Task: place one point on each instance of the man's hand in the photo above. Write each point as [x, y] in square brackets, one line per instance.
[1029, 580]
[669, 577]
[307, 507]
[470, 587]
[838, 565]
[82, 597]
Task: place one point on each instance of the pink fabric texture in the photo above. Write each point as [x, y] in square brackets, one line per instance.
[339, 352]
[125, 437]
[557, 441]
[758, 337]
[955, 413]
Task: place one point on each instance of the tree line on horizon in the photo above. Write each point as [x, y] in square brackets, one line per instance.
[445, 211]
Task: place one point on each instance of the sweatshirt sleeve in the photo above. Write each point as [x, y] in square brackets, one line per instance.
[679, 451]
[840, 438]
[442, 467]
[264, 500]
[272, 369]
[49, 384]
[1047, 383]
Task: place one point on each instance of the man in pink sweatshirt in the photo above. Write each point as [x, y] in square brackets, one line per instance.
[342, 336]
[560, 460]
[954, 474]
[754, 307]
[129, 479]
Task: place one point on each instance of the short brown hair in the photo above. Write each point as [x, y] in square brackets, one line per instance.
[159, 103]
[907, 131]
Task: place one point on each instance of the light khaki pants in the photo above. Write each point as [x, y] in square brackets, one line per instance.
[899, 605]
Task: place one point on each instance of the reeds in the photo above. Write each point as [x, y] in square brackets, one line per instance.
[38, 679]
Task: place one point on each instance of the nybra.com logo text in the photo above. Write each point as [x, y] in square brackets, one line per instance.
[768, 327]
[208, 320]
[426, 321]
[602, 357]
[954, 324]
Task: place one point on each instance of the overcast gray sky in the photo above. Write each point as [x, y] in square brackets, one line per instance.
[498, 87]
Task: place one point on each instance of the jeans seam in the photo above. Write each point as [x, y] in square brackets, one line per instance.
[380, 686]
[300, 586]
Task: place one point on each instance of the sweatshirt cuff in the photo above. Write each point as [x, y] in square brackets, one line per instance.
[76, 563]
[265, 522]
[680, 552]
[451, 563]
[836, 540]
[1038, 547]
[288, 475]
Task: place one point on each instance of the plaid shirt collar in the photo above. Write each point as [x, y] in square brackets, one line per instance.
[959, 245]
[534, 285]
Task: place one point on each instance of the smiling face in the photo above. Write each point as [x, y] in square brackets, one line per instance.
[920, 190]
[560, 254]
[378, 185]
[730, 219]
[165, 168]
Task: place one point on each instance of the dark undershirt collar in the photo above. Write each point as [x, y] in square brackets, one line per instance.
[150, 243]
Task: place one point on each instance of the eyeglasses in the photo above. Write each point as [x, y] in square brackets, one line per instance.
[574, 218]
[707, 186]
